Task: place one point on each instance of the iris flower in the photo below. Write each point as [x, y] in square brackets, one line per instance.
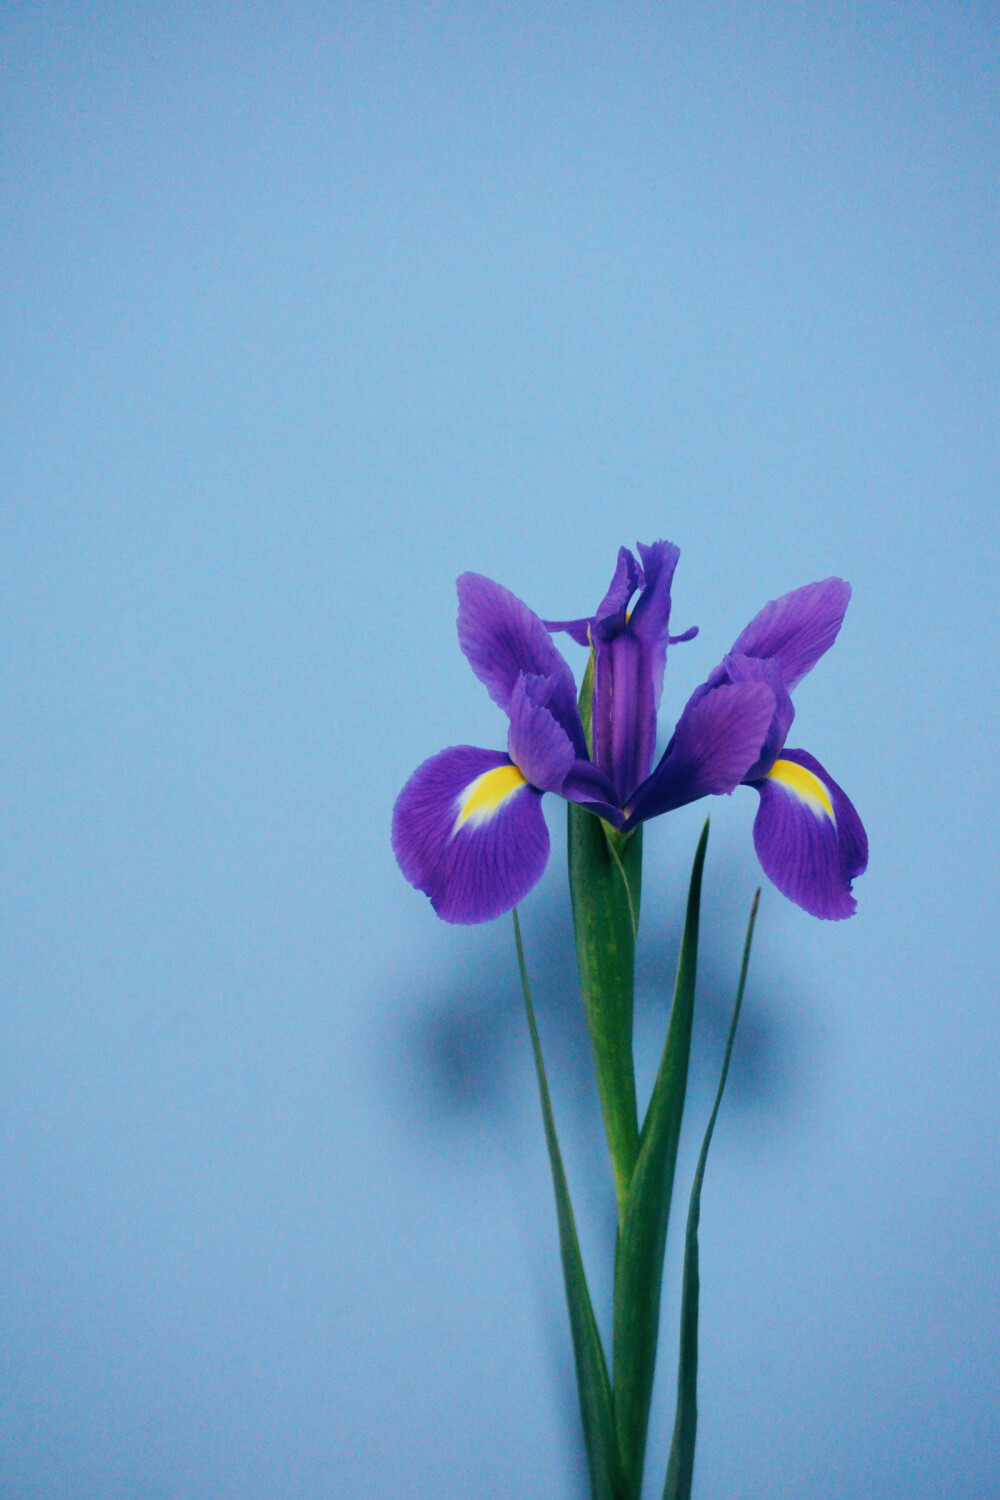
[468, 827]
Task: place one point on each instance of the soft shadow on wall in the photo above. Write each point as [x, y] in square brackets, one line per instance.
[461, 1058]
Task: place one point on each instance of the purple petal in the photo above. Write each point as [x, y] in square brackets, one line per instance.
[650, 624]
[502, 637]
[589, 786]
[578, 629]
[685, 635]
[610, 613]
[809, 839]
[768, 669]
[630, 652]
[651, 616]
[797, 628]
[469, 832]
[538, 746]
[717, 739]
[624, 711]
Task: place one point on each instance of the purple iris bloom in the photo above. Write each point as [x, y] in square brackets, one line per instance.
[468, 827]
[808, 836]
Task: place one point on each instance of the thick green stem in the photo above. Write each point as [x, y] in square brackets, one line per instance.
[605, 880]
[605, 875]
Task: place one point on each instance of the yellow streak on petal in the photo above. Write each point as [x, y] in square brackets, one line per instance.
[485, 796]
[805, 785]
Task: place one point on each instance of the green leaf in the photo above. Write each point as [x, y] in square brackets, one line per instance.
[680, 1469]
[607, 1480]
[643, 1233]
[605, 879]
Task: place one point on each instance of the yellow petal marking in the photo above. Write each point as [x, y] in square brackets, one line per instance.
[805, 785]
[484, 797]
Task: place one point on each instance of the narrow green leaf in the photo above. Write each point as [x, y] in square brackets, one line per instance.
[607, 1481]
[680, 1469]
[605, 879]
[643, 1233]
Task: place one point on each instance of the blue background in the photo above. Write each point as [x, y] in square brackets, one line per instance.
[305, 310]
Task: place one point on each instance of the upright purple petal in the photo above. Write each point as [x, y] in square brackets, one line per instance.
[808, 836]
[610, 613]
[630, 652]
[797, 628]
[469, 832]
[718, 738]
[623, 723]
[650, 619]
[501, 638]
[537, 744]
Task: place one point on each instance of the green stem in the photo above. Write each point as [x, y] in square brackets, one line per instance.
[605, 875]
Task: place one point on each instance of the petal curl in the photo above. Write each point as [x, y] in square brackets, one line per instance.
[469, 832]
[718, 738]
[808, 836]
[502, 637]
[797, 628]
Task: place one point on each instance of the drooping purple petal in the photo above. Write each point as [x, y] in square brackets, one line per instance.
[538, 745]
[502, 637]
[797, 628]
[764, 669]
[808, 836]
[469, 832]
[718, 738]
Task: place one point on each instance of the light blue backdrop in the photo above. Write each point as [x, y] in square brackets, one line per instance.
[305, 310]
